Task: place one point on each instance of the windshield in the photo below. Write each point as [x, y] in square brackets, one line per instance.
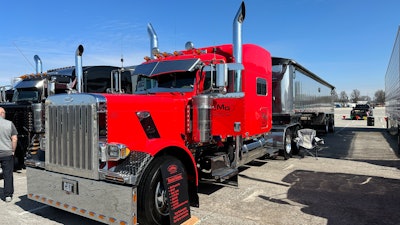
[26, 95]
[179, 81]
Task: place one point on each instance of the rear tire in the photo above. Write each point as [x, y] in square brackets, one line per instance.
[331, 126]
[153, 204]
[398, 140]
[326, 130]
[295, 149]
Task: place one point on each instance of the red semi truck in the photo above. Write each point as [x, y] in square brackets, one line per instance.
[197, 114]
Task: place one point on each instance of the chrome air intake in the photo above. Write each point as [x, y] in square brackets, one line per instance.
[38, 117]
[202, 105]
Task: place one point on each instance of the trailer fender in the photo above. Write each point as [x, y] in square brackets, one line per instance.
[278, 139]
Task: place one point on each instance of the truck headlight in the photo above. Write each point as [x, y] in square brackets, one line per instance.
[116, 152]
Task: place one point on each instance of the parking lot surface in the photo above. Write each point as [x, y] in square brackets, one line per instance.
[354, 180]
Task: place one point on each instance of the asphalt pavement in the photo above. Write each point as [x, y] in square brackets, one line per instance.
[354, 180]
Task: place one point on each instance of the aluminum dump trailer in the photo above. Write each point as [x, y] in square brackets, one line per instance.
[392, 91]
[301, 99]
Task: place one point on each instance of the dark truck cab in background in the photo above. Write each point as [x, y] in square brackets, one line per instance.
[26, 109]
[360, 111]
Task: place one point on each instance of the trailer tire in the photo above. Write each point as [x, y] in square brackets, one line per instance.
[153, 206]
[326, 129]
[331, 126]
[398, 140]
[295, 149]
[287, 145]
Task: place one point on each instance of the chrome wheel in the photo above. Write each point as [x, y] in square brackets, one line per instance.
[287, 151]
[161, 200]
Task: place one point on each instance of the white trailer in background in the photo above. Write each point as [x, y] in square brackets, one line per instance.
[392, 91]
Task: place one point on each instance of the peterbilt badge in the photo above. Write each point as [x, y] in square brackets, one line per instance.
[68, 99]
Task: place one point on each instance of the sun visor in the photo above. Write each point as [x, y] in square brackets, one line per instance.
[156, 68]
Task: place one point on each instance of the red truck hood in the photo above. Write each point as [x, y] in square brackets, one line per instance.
[166, 110]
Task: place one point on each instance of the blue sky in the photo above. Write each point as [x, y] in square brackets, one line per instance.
[346, 42]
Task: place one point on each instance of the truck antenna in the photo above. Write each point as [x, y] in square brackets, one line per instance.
[122, 53]
[23, 54]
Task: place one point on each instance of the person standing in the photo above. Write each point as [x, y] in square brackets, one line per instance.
[8, 144]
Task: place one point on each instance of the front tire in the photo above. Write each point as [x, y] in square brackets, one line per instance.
[153, 204]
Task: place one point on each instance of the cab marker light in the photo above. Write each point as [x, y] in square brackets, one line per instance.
[134, 198]
[102, 217]
[176, 53]
[134, 220]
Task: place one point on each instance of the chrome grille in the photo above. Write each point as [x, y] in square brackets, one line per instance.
[72, 135]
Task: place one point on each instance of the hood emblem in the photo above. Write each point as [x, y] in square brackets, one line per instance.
[68, 99]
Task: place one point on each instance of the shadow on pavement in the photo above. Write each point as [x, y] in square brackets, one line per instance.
[339, 145]
[345, 198]
[209, 187]
[387, 163]
[262, 180]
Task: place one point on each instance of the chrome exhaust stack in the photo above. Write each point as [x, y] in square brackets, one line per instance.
[153, 40]
[78, 68]
[237, 43]
[237, 54]
[38, 63]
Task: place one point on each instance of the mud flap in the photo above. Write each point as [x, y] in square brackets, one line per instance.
[175, 183]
